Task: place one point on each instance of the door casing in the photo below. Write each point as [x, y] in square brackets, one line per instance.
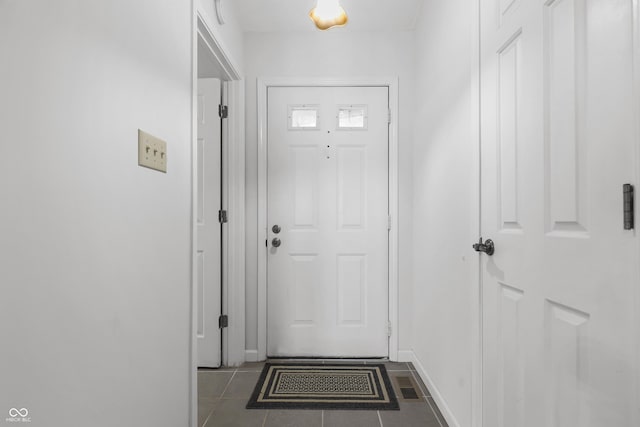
[262, 86]
[233, 303]
[636, 95]
[474, 219]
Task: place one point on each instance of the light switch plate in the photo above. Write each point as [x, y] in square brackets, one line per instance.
[152, 152]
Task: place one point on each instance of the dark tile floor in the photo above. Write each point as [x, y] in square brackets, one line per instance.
[223, 394]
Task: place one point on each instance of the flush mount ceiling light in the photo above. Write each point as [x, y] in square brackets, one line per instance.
[327, 14]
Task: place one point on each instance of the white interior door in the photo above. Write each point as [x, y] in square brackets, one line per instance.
[208, 228]
[328, 285]
[558, 143]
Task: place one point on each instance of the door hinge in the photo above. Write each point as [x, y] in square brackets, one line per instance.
[222, 216]
[223, 321]
[628, 196]
[389, 329]
[223, 111]
[389, 222]
[389, 116]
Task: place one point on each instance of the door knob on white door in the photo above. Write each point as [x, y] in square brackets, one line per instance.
[486, 247]
[276, 242]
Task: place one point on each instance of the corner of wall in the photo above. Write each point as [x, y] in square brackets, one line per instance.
[432, 389]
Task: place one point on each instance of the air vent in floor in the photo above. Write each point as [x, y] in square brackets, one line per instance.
[407, 388]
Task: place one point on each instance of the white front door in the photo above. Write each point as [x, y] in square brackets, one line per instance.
[208, 276]
[558, 142]
[328, 207]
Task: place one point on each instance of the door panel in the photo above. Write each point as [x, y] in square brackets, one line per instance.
[208, 228]
[557, 143]
[352, 176]
[328, 191]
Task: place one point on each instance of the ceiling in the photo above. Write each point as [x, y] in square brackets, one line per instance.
[292, 15]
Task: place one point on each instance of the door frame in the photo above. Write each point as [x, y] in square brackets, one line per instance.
[263, 84]
[636, 94]
[475, 279]
[233, 188]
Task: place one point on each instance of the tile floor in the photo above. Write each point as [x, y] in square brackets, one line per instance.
[223, 394]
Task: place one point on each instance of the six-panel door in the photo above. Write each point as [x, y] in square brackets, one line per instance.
[558, 142]
[327, 285]
[208, 256]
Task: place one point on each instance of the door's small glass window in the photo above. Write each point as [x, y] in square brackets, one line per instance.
[304, 117]
[352, 117]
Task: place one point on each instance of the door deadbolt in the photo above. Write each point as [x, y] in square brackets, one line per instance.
[276, 242]
[276, 229]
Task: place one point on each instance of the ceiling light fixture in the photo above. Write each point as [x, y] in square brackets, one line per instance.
[327, 14]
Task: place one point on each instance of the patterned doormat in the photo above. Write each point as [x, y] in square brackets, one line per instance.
[318, 386]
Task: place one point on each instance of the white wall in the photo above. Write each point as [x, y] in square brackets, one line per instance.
[335, 53]
[94, 250]
[443, 261]
[229, 36]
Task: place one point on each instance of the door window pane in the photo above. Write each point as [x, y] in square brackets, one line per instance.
[303, 117]
[352, 117]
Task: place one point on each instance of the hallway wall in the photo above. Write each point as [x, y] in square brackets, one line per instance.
[341, 54]
[443, 262]
[94, 250]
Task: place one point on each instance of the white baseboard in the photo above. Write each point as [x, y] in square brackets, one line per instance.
[405, 356]
[435, 393]
[251, 355]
